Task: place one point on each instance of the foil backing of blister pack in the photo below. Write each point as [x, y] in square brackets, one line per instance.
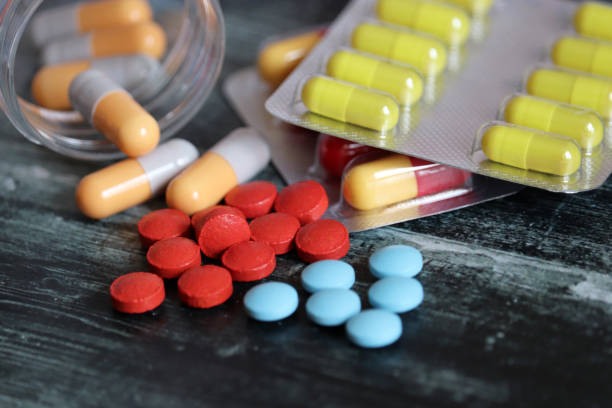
[518, 36]
[294, 150]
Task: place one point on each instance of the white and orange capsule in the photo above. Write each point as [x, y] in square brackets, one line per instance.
[50, 84]
[143, 38]
[83, 17]
[132, 181]
[114, 113]
[233, 160]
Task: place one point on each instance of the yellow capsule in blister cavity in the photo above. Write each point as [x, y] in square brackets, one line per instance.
[582, 125]
[531, 150]
[350, 103]
[568, 87]
[476, 7]
[583, 54]
[403, 83]
[427, 55]
[593, 19]
[450, 24]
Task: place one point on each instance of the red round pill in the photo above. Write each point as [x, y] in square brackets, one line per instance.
[249, 261]
[322, 239]
[277, 230]
[162, 224]
[137, 292]
[219, 227]
[254, 199]
[169, 258]
[205, 286]
[306, 200]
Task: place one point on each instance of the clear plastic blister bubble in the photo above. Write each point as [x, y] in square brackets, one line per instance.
[583, 125]
[443, 128]
[571, 87]
[589, 55]
[518, 151]
[348, 103]
[382, 179]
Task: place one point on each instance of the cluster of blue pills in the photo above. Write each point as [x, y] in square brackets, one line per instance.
[333, 303]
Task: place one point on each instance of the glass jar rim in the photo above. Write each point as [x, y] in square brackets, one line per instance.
[188, 74]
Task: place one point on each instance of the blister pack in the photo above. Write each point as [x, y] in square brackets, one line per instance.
[523, 93]
[407, 188]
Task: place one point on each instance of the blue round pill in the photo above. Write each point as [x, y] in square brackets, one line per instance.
[333, 307]
[396, 260]
[328, 274]
[271, 301]
[374, 328]
[396, 294]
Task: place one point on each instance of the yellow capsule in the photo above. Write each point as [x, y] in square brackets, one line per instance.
[450, 24]
[276, 61]
[582, 125]
[476, 7]
[427, 55]
[594, 19]
[583, 54]
[531, 150]
[403, 83]
[574, 89]
[349, 103]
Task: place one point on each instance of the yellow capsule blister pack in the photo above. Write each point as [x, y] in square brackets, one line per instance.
[426, 78]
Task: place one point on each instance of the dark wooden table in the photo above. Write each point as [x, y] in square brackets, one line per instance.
[517, 311]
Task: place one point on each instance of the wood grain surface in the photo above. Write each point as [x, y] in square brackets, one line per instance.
[517, 309]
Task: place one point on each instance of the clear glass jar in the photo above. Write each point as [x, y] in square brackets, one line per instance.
[189, 71]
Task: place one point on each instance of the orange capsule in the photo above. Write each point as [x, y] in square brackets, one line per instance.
[113, 112]
[82, 17]
[144, 38]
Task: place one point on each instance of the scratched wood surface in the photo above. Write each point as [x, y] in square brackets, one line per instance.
[517, 310]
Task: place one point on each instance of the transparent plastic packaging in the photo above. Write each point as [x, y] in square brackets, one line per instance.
[480, 75]
[585, 54]
[583, 125]
[376, 180]
[349, 103]
[173, 95]
[528, 149]
[571, 87]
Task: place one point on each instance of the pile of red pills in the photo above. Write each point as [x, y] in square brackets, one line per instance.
[246, 251]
